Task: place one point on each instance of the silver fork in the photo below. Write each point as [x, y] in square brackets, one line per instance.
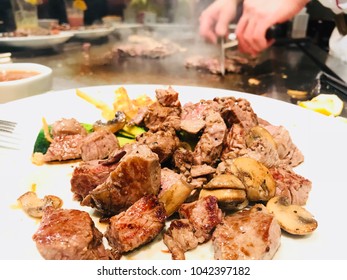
[8, 138]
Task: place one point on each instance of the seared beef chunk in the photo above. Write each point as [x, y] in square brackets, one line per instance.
[288, 152]
[70, 235]
[291, 185]
[201, 170]
[138, 225]
[168, 178]
[210, 145]
[67, 127]
[168, 97]
[162, 118]
[88, 175]
[204, 214]
[182, 160]
[252, 234]
[137, 174]
[68, 135]
[98, 145]
[180, 238]
[205, 116]
[198, 220]
[163, 143]
[237, 110]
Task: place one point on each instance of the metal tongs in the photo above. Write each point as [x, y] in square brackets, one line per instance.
[232, 42]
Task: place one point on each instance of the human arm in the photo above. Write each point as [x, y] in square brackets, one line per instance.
[215, 19]
[258, 16]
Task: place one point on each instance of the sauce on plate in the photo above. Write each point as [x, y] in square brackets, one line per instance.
[13, 75]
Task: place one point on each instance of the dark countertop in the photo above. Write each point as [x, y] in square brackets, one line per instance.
[281, 68]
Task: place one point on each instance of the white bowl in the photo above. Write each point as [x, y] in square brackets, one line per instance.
[17, 89]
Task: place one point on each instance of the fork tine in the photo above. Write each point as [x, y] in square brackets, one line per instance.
[8, 139]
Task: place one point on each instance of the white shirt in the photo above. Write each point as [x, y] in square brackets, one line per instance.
[337, 42]
[337, 6]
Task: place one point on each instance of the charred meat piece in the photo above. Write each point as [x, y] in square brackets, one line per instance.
[198, 220]
[88, 175]
[168, 97]
[252, 234]
[70, 235]
[204, 214]
[98, 145]
[205, 117]
[159, 117]
[293, 186]
[168, 178]
[180, 238]
[237, 110]
[64, 147]
[137, 174]
[288, 152]
[210, 145]
[138, 225]
[68, 135]
[163, 143]
[182, 160]
[67, 127]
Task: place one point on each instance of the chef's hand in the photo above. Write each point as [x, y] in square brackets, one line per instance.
[215, 19]
[258, 16]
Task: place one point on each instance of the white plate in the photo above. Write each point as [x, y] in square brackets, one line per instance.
[36, 42]
[93, 33]
[321, 139]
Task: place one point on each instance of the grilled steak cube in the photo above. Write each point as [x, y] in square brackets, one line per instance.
[252, 234]
[198, 220]
[88, 175]
[68, 135]
[180, 238]
[138, 225]
[98, 145]
[69, 235]
[204, 214]
[163, 143]
[291, 185]
[137, 174]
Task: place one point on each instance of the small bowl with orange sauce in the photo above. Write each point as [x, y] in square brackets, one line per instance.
[20, 80]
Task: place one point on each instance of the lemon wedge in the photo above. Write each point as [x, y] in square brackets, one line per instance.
[80, 5]
[327, 104]
[33, 2]
[342, 119]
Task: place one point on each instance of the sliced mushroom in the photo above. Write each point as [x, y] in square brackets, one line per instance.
[256, 133]
[175, 196]
[259, 183]
[229, 199]
[294, 219]
[114, 125]
[225, 181]
[34, 206]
